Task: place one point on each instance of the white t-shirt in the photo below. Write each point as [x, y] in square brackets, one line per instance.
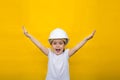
[58, 67]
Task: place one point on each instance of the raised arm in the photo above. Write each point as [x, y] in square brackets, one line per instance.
[79, 45]
[35, 41]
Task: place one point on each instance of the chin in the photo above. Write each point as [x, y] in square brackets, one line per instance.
[57, 53]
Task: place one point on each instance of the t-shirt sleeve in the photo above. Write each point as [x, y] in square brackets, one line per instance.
[49, 52]
[66, 52]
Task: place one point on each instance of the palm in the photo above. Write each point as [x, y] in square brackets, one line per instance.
[91, 35]
[25, 31]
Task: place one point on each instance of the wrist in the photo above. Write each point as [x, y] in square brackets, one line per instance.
[27, 34]
[86, 39]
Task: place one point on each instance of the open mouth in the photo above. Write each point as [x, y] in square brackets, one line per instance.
[57, 50]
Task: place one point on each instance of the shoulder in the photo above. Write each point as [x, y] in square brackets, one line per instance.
[50, 52]
[66, 53]
[66, 50]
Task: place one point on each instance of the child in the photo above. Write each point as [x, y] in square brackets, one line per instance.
[58, 67]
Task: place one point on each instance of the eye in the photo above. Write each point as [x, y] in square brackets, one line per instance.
[60, 43]
[54, 43]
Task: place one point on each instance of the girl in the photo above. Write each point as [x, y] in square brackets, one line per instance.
[58, 67]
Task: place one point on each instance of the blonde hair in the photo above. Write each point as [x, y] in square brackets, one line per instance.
[64, 40]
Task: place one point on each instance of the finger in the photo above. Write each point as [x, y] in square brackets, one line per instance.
[23, 28]
[93, 32]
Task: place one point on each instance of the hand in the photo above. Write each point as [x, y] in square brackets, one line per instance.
[25, 32]
[91, 35]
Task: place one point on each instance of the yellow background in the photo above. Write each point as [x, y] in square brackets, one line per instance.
[99, 59]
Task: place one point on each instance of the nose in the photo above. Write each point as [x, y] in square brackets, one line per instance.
[57, 45]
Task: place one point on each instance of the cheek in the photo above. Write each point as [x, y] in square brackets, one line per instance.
[53, 46]
[62, 46]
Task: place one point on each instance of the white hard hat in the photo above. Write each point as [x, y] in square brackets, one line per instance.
[58, 34]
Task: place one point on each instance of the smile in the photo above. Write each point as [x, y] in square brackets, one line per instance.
[58, 50]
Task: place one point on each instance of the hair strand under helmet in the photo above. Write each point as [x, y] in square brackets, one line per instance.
[58, 34]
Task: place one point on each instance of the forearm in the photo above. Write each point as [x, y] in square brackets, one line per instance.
[77, 47]
[35, 41]
[38, 44]
[80, 44]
